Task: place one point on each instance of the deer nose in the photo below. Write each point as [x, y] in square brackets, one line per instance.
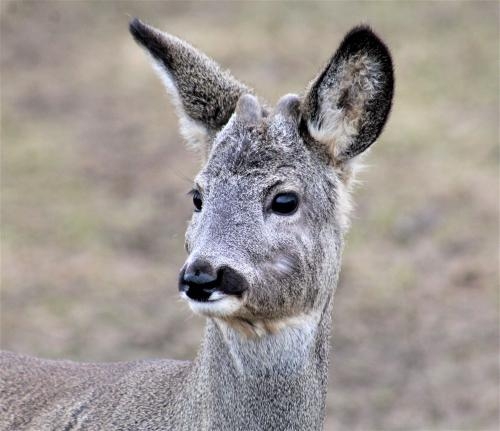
[199, 280]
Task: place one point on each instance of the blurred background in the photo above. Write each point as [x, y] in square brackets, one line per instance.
[95, 175]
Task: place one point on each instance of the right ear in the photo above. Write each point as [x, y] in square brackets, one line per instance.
[347, 105]
[205, 96]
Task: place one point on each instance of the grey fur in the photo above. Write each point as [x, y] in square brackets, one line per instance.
[264, 358]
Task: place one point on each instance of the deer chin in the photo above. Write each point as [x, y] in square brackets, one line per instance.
[219, 304]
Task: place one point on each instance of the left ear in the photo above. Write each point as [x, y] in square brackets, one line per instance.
[205, 96]
[347, 105]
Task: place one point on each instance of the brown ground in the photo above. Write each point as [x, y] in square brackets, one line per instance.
[95, 175]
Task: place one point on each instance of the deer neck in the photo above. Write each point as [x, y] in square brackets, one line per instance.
[277, 377]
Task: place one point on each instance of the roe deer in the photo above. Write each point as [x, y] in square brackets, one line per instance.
[271, 207]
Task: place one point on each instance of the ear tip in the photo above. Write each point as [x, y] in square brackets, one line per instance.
[362, 28]
[139, 30]
[362, 37]
[136, 28]
[363, 31]
[135, 25]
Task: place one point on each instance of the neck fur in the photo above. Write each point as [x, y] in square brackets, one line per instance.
[262, 376]
[285, 347]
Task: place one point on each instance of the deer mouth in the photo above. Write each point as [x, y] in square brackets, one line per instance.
[206, 292]
[199, 286]
[203, 291]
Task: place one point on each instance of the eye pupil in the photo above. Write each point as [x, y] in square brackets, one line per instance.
[197, 202]
[285, 203]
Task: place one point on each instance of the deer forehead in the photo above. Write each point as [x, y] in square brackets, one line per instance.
[261, 144]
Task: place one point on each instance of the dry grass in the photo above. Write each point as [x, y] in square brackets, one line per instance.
[94, 176]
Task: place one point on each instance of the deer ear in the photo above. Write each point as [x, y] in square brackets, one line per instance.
[205, 96]
[347, 105]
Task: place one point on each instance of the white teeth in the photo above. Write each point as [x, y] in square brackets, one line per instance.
[215, 296]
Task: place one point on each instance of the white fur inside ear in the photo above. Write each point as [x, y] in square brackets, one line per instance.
[333, 129]
[337, 128]
[195, 134]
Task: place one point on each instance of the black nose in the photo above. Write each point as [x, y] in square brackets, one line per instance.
[200, 279]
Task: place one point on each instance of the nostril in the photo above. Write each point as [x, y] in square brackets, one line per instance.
[231, 281]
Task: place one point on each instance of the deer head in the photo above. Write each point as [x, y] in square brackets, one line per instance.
[271, 201]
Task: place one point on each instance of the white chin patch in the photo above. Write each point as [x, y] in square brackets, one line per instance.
[218, 305]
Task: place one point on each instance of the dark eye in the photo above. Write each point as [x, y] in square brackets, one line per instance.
[285, 203]
[197, 200]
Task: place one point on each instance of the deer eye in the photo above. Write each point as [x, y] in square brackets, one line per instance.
[285, 203]
[197, 202]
